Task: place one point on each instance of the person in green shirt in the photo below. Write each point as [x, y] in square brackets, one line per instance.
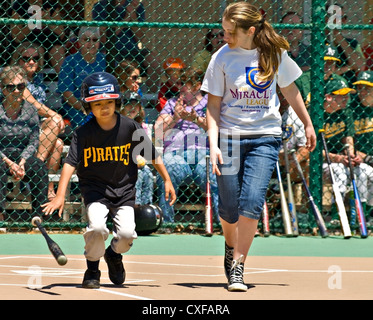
[212, 43]
[362, 108]
[339, 130]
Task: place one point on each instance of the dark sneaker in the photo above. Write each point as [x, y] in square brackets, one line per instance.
[117, 274]
[228, 259]
[235, 282]
[91, 279]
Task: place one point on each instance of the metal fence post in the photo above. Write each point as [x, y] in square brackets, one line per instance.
[317, 94]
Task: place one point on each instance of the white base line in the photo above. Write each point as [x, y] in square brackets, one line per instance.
[123, 294]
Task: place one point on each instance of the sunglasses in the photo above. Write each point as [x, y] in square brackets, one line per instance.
[135, 78]
[28, 59]
[94, 40]
[12, 87]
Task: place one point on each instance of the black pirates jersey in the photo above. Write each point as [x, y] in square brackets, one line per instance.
[105, 161]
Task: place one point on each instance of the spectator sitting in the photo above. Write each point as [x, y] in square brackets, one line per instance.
[128, 75]
[330, 68]
[50, 37]
[367, 49]
[19, 139]
[30, 58]
[182, 124]
[349, 49]
[299, 52]
[73, 71]
[128, 38]
[132, 108]
[174, 68]
[214, 40]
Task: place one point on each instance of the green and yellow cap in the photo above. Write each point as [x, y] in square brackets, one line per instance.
[331, 53]
[338, 85]
[365, 78]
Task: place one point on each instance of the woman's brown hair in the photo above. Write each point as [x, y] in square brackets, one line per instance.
[269, 44]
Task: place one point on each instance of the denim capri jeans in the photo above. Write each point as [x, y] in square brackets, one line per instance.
[246, 172]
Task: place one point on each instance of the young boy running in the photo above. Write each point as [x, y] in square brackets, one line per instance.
[103, 151]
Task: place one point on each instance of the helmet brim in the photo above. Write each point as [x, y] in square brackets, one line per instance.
[103, 96]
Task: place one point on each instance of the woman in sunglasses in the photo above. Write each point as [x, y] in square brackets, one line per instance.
[19, 140]
[30, 58]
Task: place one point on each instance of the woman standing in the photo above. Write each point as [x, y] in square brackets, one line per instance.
[244, 124]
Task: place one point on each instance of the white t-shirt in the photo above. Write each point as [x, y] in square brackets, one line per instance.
[249, 107]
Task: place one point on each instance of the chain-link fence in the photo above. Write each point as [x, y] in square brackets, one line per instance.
[155, 48]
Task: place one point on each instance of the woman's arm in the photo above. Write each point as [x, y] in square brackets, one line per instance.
[213, 120]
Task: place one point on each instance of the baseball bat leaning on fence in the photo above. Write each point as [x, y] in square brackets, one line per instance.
[53, 246]
[208, 205]
[291, 202]
[358, 205]
[265, 220]
[315, 210]
[337, 194]
[284, 206]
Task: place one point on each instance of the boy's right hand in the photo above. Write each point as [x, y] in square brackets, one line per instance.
[170, 194]
[57, 203]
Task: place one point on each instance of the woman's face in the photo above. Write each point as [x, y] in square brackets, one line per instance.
[238, 37]
[131, 110]
[29, 61]
[13, 88]
[217, 38]
[133, 81]
[189, 91]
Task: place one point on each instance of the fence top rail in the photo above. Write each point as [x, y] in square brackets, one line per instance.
[179, 25]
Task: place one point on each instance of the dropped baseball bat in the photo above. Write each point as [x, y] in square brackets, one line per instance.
[265, 218]
[284, 205]
[358, 205]
[53, 246]
[337, 193]
[208, 205]
[291, 202]
[315, 210]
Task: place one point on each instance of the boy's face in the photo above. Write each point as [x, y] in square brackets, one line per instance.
[365, 93]
[103, 109]
[335, 102]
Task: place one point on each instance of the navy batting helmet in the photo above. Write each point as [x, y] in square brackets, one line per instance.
[100, 86]
[148, 218]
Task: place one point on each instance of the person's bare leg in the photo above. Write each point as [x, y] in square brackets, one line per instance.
[246, 229]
